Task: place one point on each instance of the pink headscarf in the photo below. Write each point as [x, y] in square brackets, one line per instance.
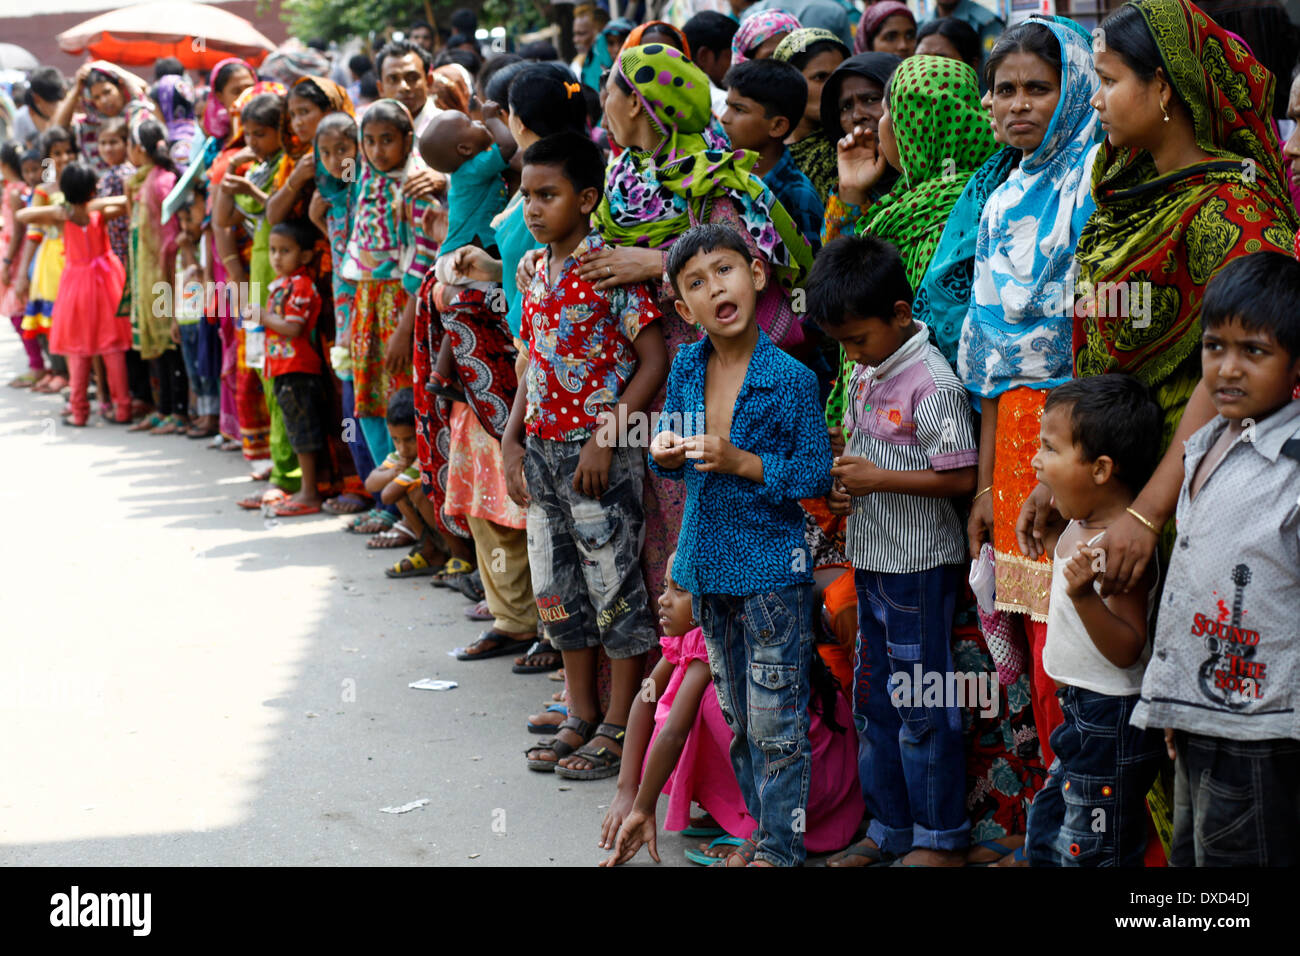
[872, 20]
[759, 28]
[216, 118]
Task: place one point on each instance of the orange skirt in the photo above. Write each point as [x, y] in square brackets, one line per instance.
[1022, 585]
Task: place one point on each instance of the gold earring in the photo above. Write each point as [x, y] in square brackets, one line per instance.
[1165, 111]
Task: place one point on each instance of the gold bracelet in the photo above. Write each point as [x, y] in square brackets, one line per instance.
[1152, 528]
[978, 493]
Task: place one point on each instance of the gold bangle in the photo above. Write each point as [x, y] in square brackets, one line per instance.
[981, 492]
[1150, 527]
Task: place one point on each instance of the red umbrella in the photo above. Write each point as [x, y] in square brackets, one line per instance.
[197, 34]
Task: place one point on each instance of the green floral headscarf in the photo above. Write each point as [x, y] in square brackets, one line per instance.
[943, 137]
[651, 198]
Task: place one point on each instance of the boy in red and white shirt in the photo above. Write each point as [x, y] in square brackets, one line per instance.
[293, 361]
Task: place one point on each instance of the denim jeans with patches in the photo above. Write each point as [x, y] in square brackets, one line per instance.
[1092, 810]
[760, 651]
[585, 553]
[1236, 802]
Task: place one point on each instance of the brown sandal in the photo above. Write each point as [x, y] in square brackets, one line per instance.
[559, 747]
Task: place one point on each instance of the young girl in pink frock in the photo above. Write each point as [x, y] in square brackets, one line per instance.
[680, 735]
[85, 322]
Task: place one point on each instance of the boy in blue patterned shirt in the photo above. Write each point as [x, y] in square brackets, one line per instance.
[741, 552]
[766, 100]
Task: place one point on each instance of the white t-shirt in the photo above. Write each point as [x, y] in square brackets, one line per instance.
[1071, 657]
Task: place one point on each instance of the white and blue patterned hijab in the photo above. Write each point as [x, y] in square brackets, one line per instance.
[1018, 328]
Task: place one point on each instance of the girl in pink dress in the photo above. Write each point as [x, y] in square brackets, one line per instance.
[677, 729]
[85, 322]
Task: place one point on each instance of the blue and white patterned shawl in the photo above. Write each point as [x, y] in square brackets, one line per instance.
[1018, 327]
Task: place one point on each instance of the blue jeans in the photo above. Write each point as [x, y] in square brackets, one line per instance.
[206, 387]
[760, 651]
[1092, 810]
[910, 758]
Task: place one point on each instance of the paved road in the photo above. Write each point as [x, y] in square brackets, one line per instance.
[187, 683]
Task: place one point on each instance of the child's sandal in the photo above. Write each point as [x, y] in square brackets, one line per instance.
[560, 748]
[454, 566]
[606, 761]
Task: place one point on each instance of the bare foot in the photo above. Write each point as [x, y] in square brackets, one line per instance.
[923, 857]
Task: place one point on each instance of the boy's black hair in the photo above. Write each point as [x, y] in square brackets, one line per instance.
[78, 183]
[466, 58]
[706, 237]
[55, 134]
[1113, 415]
[47, 83]
[400, 48]
[541, 51]
[708, 30]
[167, 66]
[1261, 292]
[264, 109]
[368, 86]
[299, 232]
[360, 65]
[464, 20]
[576, 155]
[773, 84]
[855, 277]
[401, 408]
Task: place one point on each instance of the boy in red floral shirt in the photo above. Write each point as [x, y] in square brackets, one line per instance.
[589, 352]
[293, 361]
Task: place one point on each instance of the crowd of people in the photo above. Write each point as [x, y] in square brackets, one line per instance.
[832, 402]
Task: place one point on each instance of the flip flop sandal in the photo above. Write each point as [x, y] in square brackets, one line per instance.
[606, 761]
[263, 475]
[26, 380]
[557, 676]
[873, 854]
[480, 612]
[394, 537]
[346, 504]
[696, 855]
[470, 585]
[414, 565]
[146, 423]
[168, 426]
[703, 831]
[541, 657]
[454, 566]
[230, 444]
[375, 516]
[256, 502]
[1002, 852]
[557, 746]
[294, 509]
[547, 728]
[501, 645]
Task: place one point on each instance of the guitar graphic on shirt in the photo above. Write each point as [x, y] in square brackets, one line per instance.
[1232, 699]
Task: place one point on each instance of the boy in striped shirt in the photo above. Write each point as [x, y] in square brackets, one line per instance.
[911, 450]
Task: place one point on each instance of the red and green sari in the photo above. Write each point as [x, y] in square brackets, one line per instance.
[1167, 235]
